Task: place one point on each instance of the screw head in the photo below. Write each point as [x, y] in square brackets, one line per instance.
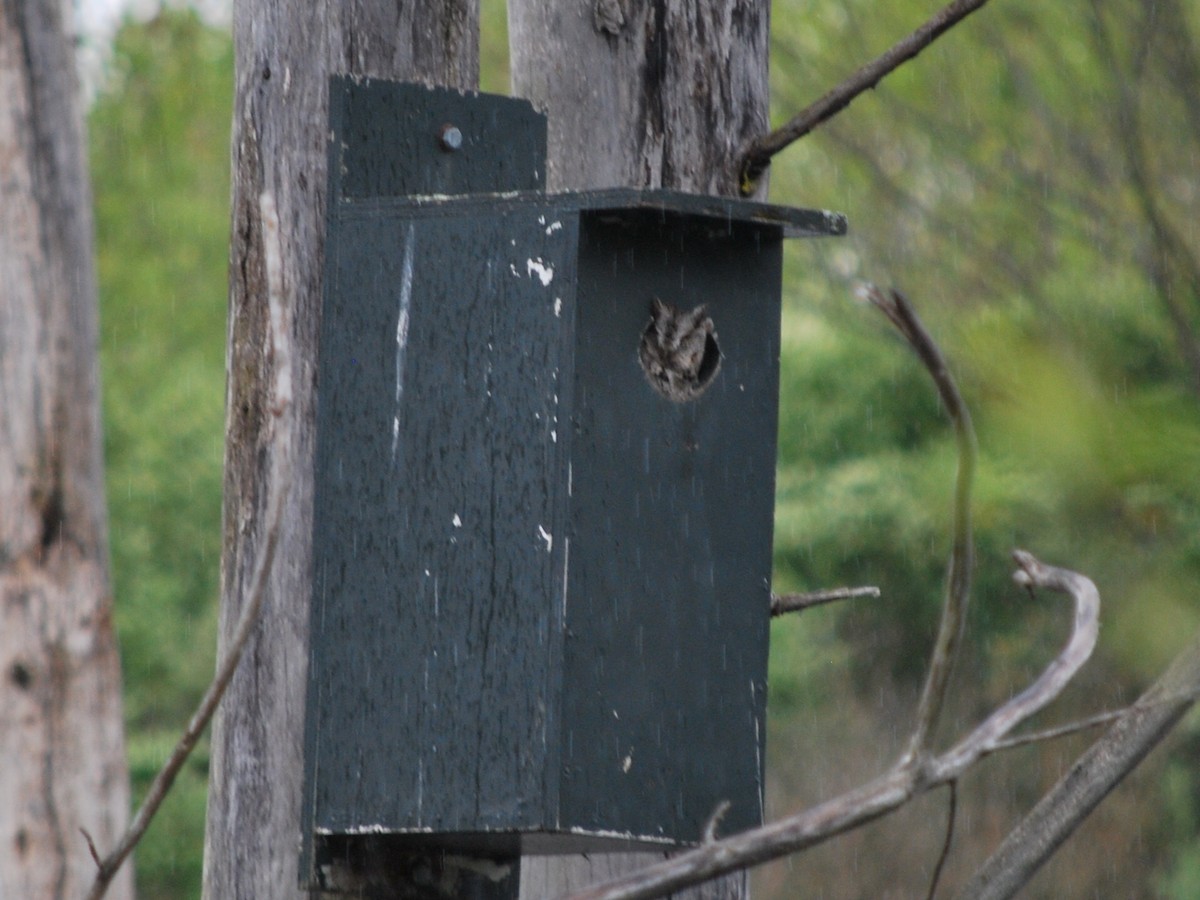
[450, 137]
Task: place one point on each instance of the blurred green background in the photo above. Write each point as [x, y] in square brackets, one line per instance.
[1032, 182]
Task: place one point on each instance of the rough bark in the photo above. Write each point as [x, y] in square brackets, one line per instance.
[666, 94]
[285, 52]
[61, 734]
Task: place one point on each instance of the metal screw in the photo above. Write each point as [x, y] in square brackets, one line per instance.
[451, 138]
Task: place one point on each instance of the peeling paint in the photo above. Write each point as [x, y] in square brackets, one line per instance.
[624, 835]
[544, 271]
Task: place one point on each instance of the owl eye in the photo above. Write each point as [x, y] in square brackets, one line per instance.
[678, 351]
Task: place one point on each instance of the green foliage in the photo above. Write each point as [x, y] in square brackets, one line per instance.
[1181, 812]
[160, 169]
[1034, 275]
[991, 180]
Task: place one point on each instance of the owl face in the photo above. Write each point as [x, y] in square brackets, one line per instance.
[679, 352]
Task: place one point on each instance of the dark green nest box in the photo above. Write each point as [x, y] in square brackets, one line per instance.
[544, 486]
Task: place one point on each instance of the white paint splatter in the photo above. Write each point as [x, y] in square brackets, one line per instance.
[552, 227]
[406, 278]
[627, 763]
[544, 272]
[558, 306]
[456, 521]
[547, 537]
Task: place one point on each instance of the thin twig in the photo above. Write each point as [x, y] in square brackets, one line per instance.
[889, 791]
[757, 156]
[1050, 734]
[91, 847]
[900, 312]
[945, 854]
[279, 483]
[782, 604]
[714, 821]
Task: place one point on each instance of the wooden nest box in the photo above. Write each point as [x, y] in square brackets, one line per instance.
[544, 488]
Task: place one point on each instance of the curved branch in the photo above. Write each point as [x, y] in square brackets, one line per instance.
[900, 312]
[1084, 633]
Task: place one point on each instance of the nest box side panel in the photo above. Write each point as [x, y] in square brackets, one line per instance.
[438, 522]
[671, 528]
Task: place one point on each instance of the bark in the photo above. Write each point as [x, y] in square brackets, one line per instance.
[285, 52]
[659, 94]
[61, 734]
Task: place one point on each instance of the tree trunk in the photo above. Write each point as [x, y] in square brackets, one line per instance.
[656, 94]
[61, 735]
[661, 94]
[285, 52]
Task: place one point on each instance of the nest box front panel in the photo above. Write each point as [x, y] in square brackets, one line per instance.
[671, 525]
[438, 502]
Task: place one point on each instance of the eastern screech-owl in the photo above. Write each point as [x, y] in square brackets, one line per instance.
[679, 351]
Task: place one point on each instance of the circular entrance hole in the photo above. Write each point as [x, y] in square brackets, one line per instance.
[678, 351]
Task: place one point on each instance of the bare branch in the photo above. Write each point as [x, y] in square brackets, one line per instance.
[757, 156]
[710, 830]
[945, 854]
[984, 739]
[900, 312]
[1050, 734]
[1090, 780]
[91, 846]
[782, 604]
[280, 482]
[889, 791]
